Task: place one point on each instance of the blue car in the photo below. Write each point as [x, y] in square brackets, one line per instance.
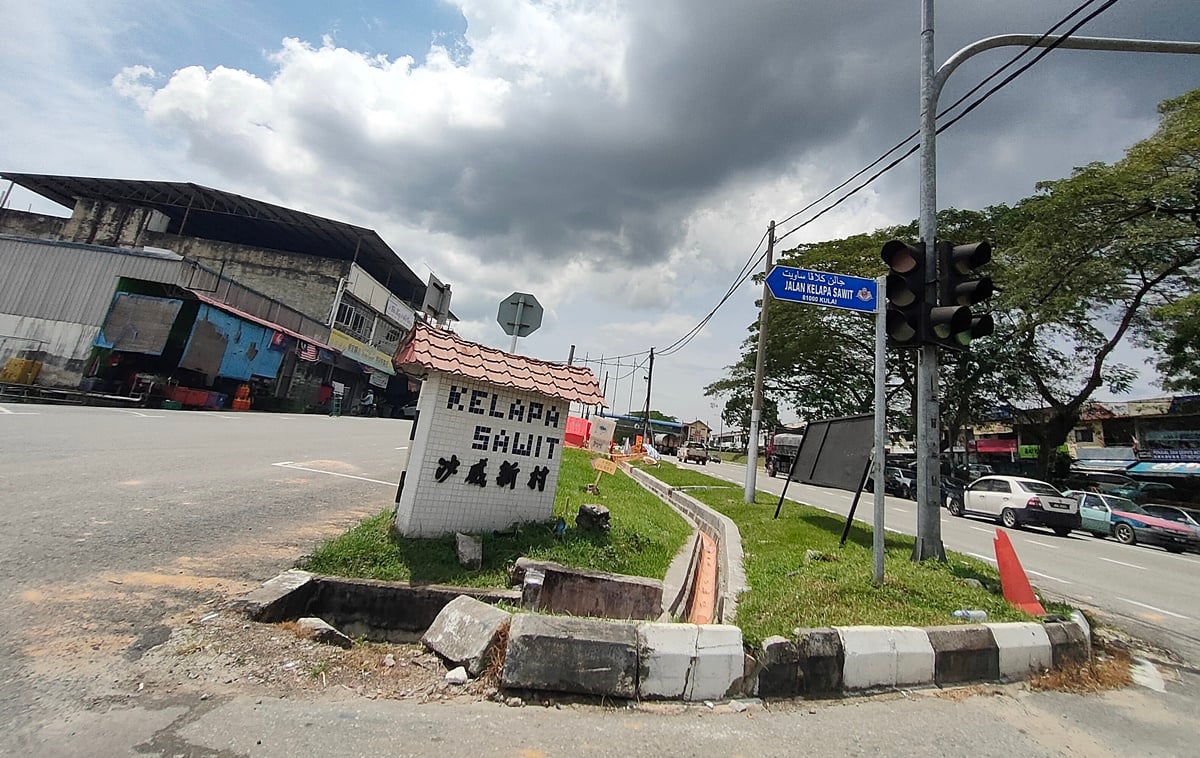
[1102, 515]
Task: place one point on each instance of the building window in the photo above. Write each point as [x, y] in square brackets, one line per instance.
[1083, 435]
[353, 320]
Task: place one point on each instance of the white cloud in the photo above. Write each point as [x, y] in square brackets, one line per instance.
[617, 158]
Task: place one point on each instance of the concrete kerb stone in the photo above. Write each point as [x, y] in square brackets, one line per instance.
[964, 654]
[720, 662]
[885, 656]
[1025, 649]
[667, 656]
[577, 655]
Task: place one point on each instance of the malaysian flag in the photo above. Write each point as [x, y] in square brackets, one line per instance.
[307, 351]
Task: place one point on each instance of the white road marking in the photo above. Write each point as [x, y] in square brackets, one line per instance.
[1122, 563]
[214, 415]
[402, 448]
[7, 412]
[1047, 576]
[1043, 544]
[289, 464]
[139, 414]
[1152, 608]
[981, 557]
[981, 529]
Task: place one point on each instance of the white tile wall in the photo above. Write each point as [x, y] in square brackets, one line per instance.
[429, 508]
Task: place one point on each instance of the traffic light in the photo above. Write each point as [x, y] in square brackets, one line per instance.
[952, 324]
[907, 310]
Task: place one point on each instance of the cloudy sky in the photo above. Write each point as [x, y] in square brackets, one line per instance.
[618, 159]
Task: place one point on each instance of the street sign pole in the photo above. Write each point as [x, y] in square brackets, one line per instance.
[512, 346]
[880, 427]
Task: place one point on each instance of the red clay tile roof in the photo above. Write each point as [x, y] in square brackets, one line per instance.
[443, 351]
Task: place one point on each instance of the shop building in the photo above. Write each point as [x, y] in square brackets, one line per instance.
[335, 298]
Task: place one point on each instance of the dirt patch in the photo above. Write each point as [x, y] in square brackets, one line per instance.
[221, 651]
[1108, 669]
[80, 629]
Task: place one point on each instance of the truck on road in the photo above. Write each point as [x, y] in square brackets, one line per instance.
[694, 452]
[781, 451]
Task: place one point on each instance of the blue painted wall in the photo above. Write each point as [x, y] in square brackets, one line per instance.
[248, 345]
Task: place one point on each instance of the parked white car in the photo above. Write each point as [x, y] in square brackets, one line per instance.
[1016, 501]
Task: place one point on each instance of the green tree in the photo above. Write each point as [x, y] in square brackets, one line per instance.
[1173, 330]
[1096, 256]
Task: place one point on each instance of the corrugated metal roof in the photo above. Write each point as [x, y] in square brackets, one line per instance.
[198, 211]
[437, 350]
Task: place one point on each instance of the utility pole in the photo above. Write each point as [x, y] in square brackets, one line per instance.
[929, 472]
[756, 403]
[649, 383]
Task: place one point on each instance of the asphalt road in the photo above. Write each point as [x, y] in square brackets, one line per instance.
[1152, 592]
[115, 525]
[114, 520]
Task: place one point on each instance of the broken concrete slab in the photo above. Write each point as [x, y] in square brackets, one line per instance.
[598, 594]
[469, 549]
[593, 517]
[1068, 643]
[286, 596]
[319, 630]
[465, 632]
[578, 655]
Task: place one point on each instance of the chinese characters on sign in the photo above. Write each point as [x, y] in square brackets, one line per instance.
[504, 436]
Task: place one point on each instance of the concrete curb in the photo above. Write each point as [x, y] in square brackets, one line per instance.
[654, 660]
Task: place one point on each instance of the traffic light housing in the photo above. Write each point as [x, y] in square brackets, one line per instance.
[907, 310]
[952, 323]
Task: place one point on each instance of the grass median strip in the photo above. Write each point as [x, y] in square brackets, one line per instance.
[788, 591]
[645, 536]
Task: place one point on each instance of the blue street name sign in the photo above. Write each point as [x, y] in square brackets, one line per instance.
[853, 293]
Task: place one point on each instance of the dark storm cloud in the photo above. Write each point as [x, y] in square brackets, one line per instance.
[717, 91]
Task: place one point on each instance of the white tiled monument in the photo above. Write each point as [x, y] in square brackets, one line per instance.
[485, 456]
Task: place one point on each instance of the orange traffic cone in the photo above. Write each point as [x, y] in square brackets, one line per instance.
[1013, 580]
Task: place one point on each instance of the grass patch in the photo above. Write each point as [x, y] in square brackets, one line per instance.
[646, 534]
[787, 592]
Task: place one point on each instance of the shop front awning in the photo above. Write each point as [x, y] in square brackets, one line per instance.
[995, 446]
[361, 352]
[1166, 468]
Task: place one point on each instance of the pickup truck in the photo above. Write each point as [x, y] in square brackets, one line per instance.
[694, 452]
